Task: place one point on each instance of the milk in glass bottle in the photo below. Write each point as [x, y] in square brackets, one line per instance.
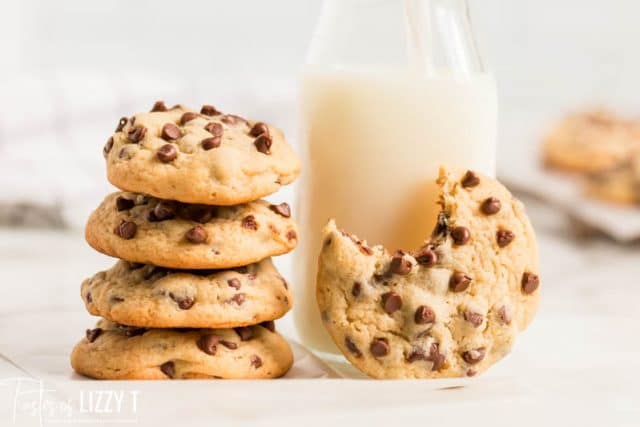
[391, 90]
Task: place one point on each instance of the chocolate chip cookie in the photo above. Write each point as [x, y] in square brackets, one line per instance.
[156, 297]
[620, 185]
[591, 142]
[452, 307]
[115, 352]
[200, 156]
[170, 234]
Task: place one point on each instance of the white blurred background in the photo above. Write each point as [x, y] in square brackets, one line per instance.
[70, 68]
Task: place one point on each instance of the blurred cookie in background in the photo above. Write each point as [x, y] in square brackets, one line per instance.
[620, 185]
[591, 142]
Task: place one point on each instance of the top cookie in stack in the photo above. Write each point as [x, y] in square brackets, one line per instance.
[190, 210]
[207, 157]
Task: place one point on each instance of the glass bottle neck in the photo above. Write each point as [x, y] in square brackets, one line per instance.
[429, 36]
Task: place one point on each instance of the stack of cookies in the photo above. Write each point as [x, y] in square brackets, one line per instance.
[195, 293]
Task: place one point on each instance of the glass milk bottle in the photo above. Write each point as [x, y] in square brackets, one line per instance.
[391, 90]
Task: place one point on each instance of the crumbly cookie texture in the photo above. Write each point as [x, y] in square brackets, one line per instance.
[451, 308]
[164, 233]
[620, 185]
[155, 297]
[198, 156]
[115, 352]
[591, 142]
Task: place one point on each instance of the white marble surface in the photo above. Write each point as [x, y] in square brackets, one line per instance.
[578, 364]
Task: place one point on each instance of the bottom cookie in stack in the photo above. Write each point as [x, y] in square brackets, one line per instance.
[113, 351]
[185, 323]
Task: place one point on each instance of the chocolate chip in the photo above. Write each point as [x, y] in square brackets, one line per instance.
[357, 289]
[196, 234]
[124, 153]
[130, 331]
[234, 283]
[379, 347]
[491, 206]
[93, 334]
[123, 204]
[460, 235]
[184, 303]
[238, 298]
[470, 179]
[209, 343]
[164, 210]
[400, 264]
[249, 222]
[187, 117]
[269, 325]
[427, 257]
[136, 134]
[459, 282]
[126, 229]
[230, 345]
[170, 132]
[471, 372]
[352, 347]
[474, 318]
[474, 356]
[209, 110]
[424, 314]
[245, 333]
[256, 362]
[107, 147]
[504, 237]
[416, 354]
[232, 119]
[198, 213]
[121, 124]
[284, 283]
[259, 129]
[504, 315]
[89, 298]
[169, 369]
[391, 302]
[291, 235]
[530, 282]
[214, 129]
[167, 153]
[441, 227]
[158, 106]
[281, 209]
[436, 357]
[210, 143]
[263, 144]
[115, 299]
